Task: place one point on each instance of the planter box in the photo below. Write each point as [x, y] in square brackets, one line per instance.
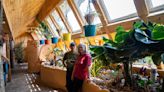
[55, 77]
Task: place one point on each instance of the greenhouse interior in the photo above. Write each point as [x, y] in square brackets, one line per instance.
[81, 45]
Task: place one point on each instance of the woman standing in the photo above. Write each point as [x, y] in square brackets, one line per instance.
[81, 68]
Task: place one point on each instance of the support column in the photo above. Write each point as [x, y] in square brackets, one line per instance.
[8, 55]
[11, 52]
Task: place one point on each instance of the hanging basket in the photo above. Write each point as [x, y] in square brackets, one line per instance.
[47, 41]
[90, 18]
[67, 36]
[42, 42]
[90, 30]
[54, 40]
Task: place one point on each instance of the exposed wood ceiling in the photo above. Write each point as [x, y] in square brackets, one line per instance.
[22, 13]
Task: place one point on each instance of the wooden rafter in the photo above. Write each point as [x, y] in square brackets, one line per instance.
[100, 11]
[64, 19]
[76, 12]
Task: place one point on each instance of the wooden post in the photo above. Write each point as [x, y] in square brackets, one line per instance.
[8, 55]
[11, 53]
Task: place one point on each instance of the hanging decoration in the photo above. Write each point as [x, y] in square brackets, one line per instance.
[90, 29]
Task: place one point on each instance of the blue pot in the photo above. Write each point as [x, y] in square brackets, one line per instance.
[90, 30]
[42, 42]
[54, 40]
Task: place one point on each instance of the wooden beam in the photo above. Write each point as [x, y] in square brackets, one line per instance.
[64, 19]
[142, 9]
[48, 6]
[99, 10]
[56, 24]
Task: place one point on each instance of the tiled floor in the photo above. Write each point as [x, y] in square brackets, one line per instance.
[24, 82]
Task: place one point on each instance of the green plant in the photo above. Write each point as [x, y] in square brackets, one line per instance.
[131, 45]
[96, 66]
[19, 56]
[45, 30]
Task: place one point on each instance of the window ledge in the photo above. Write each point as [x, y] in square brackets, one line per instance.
[122, 21]
[156, 13]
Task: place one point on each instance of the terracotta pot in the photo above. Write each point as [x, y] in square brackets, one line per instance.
[47, 41]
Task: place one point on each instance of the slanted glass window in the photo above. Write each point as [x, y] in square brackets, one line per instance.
[52, 26]
[59, 21]
[155, 5]
[117, 10]
[70, 17]
[83, 6]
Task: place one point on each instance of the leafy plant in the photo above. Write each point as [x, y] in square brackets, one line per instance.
[45, 30]
[129, 46]
[96, 66]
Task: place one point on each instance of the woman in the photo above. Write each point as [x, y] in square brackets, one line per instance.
[81, 68]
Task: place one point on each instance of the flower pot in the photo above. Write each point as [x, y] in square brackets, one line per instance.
[47, 41]
[42, 42]
[67, 36]
[90, 30]
[54, 40]
[90, 18]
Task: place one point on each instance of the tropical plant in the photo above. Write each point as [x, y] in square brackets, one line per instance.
[141, 41]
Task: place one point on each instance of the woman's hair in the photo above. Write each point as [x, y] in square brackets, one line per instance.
[83, 46]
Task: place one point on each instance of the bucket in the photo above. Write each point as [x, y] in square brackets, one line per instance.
[90, 30]
[42, 42]
[67, 36]
[54, 40]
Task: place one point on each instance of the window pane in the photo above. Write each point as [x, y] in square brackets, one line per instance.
[59, 21]
[156, 3]
[52, 27]
[119, 8]
[70, 16]
[84, 9]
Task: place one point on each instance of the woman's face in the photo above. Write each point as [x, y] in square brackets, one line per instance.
[80, 49]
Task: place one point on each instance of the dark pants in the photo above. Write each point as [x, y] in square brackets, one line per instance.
[69, 82]
[77, 85]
